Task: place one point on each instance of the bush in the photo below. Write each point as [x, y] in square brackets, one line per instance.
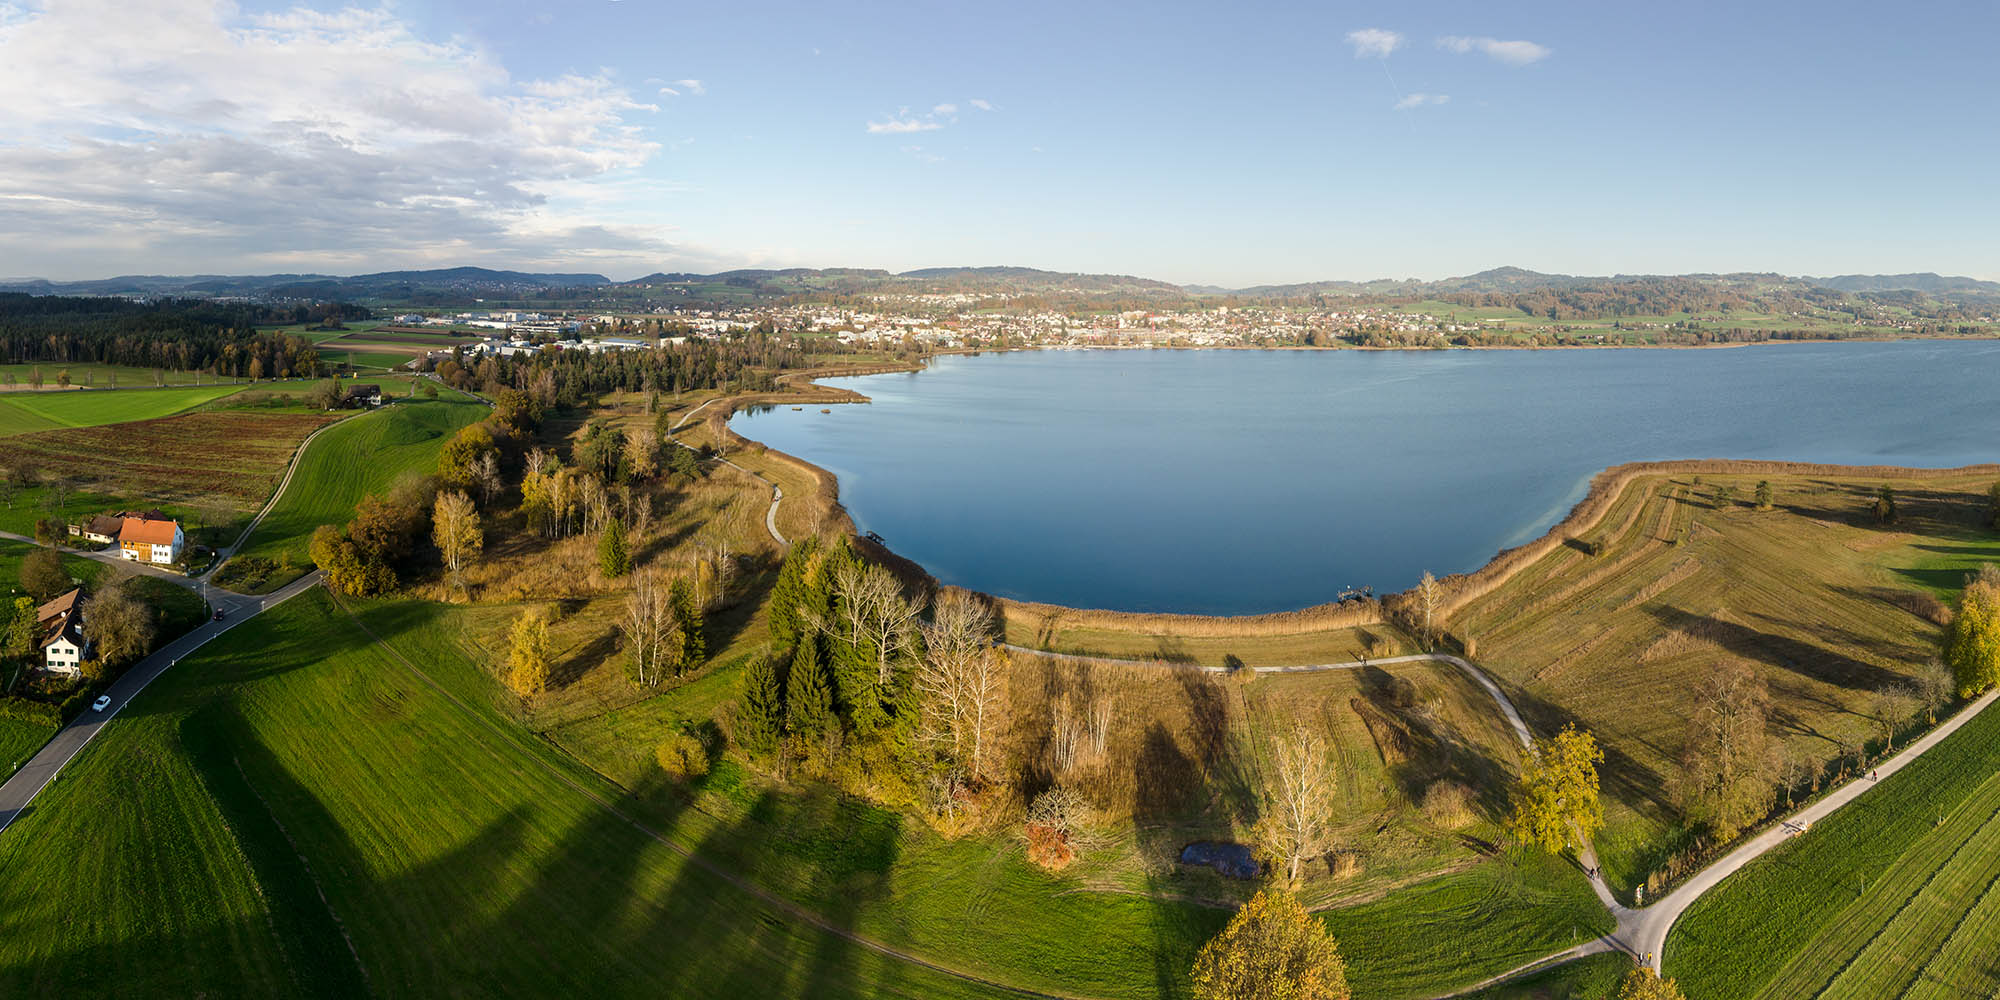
[77, 701]
[683, 757]
[1448, 804]
[1345, 865]
[39, 713]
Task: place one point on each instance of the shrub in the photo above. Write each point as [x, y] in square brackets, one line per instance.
[1052, 820]
[682, 756]
[1448, 804]
[1345, 864]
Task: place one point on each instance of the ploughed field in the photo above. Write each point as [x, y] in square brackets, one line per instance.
[229, 457]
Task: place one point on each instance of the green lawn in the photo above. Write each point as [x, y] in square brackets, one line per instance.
[19, 741]
[294, 759]
[1592, 978]
[215, 841]
[1895, 895]
[22, 412]
[363, 455]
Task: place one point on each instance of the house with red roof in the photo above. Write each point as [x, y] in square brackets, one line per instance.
[151, 540]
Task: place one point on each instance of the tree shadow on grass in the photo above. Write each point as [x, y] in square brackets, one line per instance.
[1797, 656]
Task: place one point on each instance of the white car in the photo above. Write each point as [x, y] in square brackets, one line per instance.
[103, 702]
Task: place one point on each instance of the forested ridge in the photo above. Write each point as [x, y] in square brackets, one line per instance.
[174, 334]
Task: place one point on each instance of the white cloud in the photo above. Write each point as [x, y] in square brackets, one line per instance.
[1420, 100]
[186, 134]
[1514, 53]
[1377, 42]
[692, 86]
[983, 105]
[905, 121]
[903, 126]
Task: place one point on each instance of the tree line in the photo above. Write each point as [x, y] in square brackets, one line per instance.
[172, 334]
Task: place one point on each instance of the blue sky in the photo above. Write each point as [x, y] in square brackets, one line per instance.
[1214, 143]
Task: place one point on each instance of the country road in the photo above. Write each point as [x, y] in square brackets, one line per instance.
[20, 789]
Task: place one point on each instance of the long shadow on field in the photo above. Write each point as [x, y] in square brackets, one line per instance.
[1800, 657]
[1430, 749]
[832, 853]
[1621, 777]
[1163, 779]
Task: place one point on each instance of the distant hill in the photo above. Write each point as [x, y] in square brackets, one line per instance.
[1926, 281]
[398, 285]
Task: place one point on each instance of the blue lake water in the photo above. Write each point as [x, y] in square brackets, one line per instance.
[1232, 482]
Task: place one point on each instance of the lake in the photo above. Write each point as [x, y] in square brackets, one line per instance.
[1234, 482]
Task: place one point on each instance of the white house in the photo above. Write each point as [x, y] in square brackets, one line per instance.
[144, 539]
[63, 644]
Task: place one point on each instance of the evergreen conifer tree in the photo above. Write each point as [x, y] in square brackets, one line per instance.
[760, 713]
[808, 696]
[687, 612]
[612, 558]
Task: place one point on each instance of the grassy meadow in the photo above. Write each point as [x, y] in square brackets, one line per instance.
[26, 412]
[221, 841]
[1896, 895]
[364, 455]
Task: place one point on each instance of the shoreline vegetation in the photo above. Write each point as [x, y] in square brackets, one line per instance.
[1457, 590]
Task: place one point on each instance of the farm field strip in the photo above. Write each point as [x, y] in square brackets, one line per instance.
[229, 456]
[26, 412]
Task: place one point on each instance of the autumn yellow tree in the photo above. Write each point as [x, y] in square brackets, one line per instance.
[1972, 645]
[528, 653]
[455, 529]
[1556, 804]
[1645, 984]
[1272, 950]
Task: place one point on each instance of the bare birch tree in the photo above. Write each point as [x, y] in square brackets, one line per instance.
[1300, 785]
[1427, 601]
[959, 678]
[652, 635]
[873, 610]
[455, 529]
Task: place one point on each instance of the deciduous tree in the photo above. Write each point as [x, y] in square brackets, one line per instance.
[42, 574]
[458, 463]
[1643, 983]
[1971, 645]
[1298, 788]
[1885, 505]
[958, 679]
[118, 625]
[528, 653]
[455, 530]
[1763, 494]
[1556, 802]
[1272, 950]
[1729, 764]
[653, 638]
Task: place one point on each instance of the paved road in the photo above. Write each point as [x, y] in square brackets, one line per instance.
[20, 789]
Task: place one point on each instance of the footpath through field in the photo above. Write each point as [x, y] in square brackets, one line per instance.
[777, 493]
[1641, 933]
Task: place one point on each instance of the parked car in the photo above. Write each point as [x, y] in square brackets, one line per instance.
[103, 702]
[218, 614]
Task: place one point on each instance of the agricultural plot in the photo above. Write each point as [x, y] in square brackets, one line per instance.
[26, 412]
[365, 455]
[226, 462]
[18, 377]
[1895, 896]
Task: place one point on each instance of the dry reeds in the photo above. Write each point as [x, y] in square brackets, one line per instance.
[1448, 805]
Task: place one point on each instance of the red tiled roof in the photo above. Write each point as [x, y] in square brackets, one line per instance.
[147, 532]
[59, 606]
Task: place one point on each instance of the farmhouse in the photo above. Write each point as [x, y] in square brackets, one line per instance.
[102, 529]
[364, 395]
[151, 540]
[61, 629]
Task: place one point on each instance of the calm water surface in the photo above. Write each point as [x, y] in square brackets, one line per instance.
[1231, 482]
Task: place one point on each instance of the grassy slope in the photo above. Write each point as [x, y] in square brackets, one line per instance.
[1593, 978]
[1891, 896]
[22, 412]
[364, 455]
[183, 829]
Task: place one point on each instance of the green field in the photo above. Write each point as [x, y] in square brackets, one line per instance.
[363, 455]
[23, 412]
[202, 830]
[1592, 978]
[102, 376]
[19, 741]
[1896, 895]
